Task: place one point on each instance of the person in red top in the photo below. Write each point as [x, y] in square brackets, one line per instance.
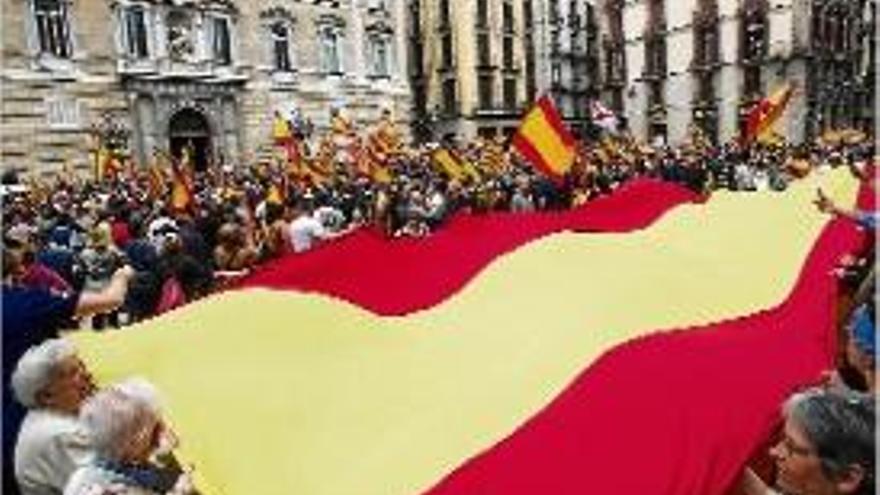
[120, 231]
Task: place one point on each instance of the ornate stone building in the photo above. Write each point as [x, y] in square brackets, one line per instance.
[161, 74]
[668, 65]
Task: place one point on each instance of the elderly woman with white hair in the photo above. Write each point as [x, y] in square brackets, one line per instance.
[127, 431]
[827, 446]
[52, 383]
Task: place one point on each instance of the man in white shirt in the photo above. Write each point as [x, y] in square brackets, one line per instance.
[306, 230]
[52, 383]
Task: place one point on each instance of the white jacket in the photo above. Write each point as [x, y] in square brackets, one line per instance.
[50, 447]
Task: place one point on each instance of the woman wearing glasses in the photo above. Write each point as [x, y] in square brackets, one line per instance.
[827, 446]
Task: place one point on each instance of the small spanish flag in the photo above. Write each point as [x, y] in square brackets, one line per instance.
[544, 140]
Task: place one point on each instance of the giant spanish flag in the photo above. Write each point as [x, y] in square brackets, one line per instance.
[544, 141]
[543, 374]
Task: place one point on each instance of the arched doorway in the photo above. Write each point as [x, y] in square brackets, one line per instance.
[189, 128]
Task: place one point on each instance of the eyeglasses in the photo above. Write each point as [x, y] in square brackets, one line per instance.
[790, 447]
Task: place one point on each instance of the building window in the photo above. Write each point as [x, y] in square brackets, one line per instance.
[62, 112]
[136, 33]
[510, 94]
[281, 47]
[377, 6]
[528, 19]
[330, 63]
[53, 28]
[753, 44]
[655, 40]
[482, 13]
[706, 88]
[554, 15]
[379, 56]
[415, 19]
[484, 56]
[222, 41]
[484, 90]
[655, 95]
[508, 52]
[556, 74]
[617, 101]
[655, 47]
[507, 17]
[444, 14]
[449, 96]
[447, 51]
[416, 57]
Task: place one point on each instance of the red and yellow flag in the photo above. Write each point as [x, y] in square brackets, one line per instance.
[517, 422]
[544, 140]
[156, 180]
[766, 112]
[280, 130]
[181, 185]
[449, 164]
[107, 166]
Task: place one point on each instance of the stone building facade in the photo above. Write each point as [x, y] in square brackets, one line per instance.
[478, 64]
[468, 71]
[669, 65]
[163, 74]
[565, 37]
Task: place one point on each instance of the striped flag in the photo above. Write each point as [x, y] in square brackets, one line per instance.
[544, 140]
[156, 179]
[449, 164]
[766, 113]
[514, 383]
[181, 184]
[107, 166]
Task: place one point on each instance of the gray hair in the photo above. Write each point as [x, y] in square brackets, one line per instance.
[116, 413]
[36, 369]
[840, 424]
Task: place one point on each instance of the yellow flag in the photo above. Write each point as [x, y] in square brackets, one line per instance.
[449, 164]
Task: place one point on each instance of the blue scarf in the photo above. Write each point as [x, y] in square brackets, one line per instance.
[153, 478]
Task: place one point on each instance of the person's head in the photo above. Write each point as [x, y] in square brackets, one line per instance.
[51, 376]
[229, 235]
[124, 421]
[99, 238]
[828, 444]
[861, 345]
[14, 261]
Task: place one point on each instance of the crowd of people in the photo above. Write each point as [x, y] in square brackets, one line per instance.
[184, 239]
[127, 247]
